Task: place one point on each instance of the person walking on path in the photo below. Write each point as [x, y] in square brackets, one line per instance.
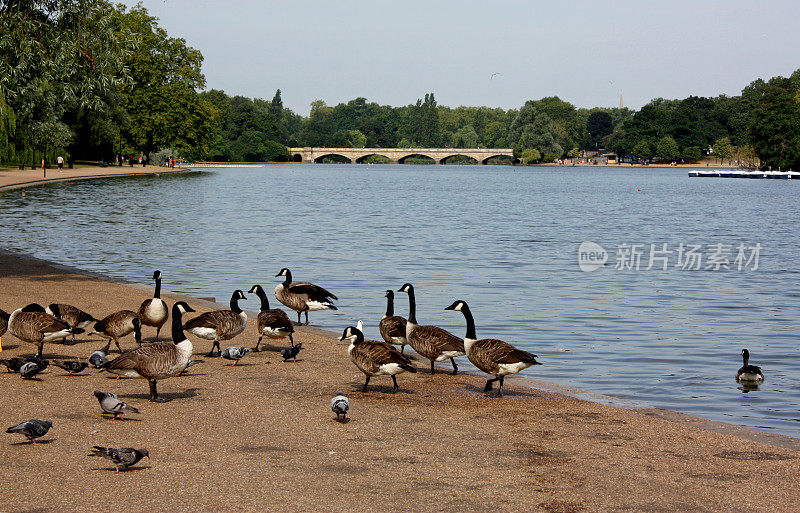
[60, 162]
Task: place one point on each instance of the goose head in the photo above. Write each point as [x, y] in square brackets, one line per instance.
[352, 334]
[745, 356]
[389, 293]
[284, 272]
[137, 329]
[182, 307]
[407, 288]
[255, 289]
[33, 307]
[457, 306]
[237, 295]
[157, 275]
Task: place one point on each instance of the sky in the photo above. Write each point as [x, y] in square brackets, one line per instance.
[494, 53]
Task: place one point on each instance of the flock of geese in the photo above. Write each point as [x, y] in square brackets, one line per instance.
[161, 360]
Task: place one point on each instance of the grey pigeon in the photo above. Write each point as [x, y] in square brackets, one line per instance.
[290, 353]
[98, 359]
[340, 404]
[32, 429]
[13, 364]
[72, 366]
[122, 457]
[235, 353]
[29, 370]
[110, 403]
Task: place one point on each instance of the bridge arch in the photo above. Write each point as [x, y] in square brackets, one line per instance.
[470, 158]
[362, 158]
[402, 160]
[511, 159]
[336, 157]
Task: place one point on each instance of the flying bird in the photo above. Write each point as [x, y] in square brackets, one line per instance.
[340, 404]
[72, 366]
[32, 429]
[122, 457]
[493, 74]
[235, 353]
[290, 353]
[110, 403]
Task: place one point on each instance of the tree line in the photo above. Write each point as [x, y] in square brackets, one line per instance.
[90, 79]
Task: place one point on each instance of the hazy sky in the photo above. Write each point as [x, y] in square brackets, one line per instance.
[585, 51]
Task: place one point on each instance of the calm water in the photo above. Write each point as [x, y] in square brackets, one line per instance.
[503, 239]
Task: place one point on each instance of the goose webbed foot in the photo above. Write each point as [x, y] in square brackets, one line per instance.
[488, 387]
[433, 371]
[364, 388]
[154, 394]
[395, 388]
[455, 367]
[306, 324]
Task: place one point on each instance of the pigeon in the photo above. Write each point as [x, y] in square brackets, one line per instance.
[98, 359]
[235, 353]
[29, 370]
[110, 403]
[32, 429]
[13, 364]
[290, 353]
[340, 404]
[41, 362]
[72, 366]
[121, 457]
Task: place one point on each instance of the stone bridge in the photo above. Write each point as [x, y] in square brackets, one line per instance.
[398, 155]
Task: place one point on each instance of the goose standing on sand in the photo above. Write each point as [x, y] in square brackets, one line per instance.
[431, 342]
[159, 360]
[302, 296]
[375, 358]
[272, 322]
[118, 325]
[154, 311]
[34, 326]
[393, 327]
[219, 324]
[490, 355]
[749, 374]
[72, 315]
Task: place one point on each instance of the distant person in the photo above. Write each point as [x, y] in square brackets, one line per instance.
[60, 162]
[144, 160]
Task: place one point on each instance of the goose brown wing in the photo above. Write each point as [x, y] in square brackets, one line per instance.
[276, 319]
[113, 319]
[502, 352]
[394, 326]
[42, 322]
[442, 339]
[382, 353]
[133, 360]
[207, 320]
[313, 292]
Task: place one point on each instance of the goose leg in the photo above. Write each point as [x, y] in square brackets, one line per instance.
[108, 347]
[500, 390]
[256, 349]
[365, 384]
[154, 393]
[395, 388]
[455, 367]
[402, 348]
[39, 353]
[433, 371]
[298, 318]
[215, 344]
[306, 317]
[158, 330]
[118, 346]
[488, 387]
[291, 339]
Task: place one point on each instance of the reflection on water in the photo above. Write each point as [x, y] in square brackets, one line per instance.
[503, 239]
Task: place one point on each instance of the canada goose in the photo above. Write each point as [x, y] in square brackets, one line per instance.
[492, 356]
[430, 342]
[159, 360]
[3, 321]
[375, 358]
[117, 325]
[154, 311]
[750, 374]
[302, 296]
[393, 327]
[72, 315]
[33, 325]
[219, 324]
[272, 322]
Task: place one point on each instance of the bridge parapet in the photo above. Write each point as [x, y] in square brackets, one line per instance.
[398, 155]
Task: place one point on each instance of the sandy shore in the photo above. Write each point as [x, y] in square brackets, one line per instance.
[260, 436]
[15, 178]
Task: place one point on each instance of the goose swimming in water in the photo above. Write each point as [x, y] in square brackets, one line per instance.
[490, 355]
[154, 312]
[302, 296]
[749, 374]
[272, 322]
[159, 360]
[431, 342]
[219, 324]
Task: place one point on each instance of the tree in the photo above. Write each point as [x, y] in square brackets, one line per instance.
[599, 124]
[531, 155]
[667, 148]
[7, 127]
[722, 149]
[465, 137]
[775, 131]
[692, 154]
[532, 129]
[642, 150]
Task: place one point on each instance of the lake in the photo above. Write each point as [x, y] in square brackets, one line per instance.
[504, 239]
